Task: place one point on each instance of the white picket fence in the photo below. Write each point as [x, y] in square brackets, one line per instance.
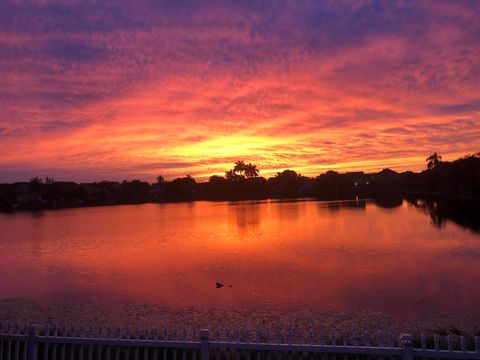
[29, 342]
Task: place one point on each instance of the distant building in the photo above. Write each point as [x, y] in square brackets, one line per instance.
[102, 192]
[359, 178]
[69, 188]
[158, 192]
[23, 192]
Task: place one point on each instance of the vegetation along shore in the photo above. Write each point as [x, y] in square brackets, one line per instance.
[459, 178]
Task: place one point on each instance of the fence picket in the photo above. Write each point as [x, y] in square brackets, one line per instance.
[145, 349]
[90, 346]
[82, 334]
[25, 343]
[322, 338]
[54, 345]
[355, 342]
[184, 351]
[117, 348]
[390, 339]
[258, 334]
[310, 337]
[174, 349]
[108, 350]
[380, 339]
[269, 353]
[1, 341]
[72, 347]
[137, 336]
[9, 342]
[17, 343]
[155, 336]
[367, 339]
[99, 347]
[228, 343]
[127, 349]
[63, 348]
[217, 351]
[45, 347]
[165, 350]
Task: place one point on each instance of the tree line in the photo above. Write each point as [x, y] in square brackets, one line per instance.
[459, 178]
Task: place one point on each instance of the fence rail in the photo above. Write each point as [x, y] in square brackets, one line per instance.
[30, 342]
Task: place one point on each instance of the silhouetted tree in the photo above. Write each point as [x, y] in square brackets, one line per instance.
[36, 181]
[457, 179]
[252, 188]
[333, 185]
[160, 179]
[216, 179]
[242, 170]
[433, 160]
[473, 156]
[286, 183]
[230, 175]
[135, 190]
[36, 184]
[250, 170]
[239, 167]
[217, 187]
[183, 188]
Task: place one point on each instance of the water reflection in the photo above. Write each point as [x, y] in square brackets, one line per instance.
[344, 205]
[289, 211]
[246, 214]
[464, 212]
[389, 202]
[346, 255]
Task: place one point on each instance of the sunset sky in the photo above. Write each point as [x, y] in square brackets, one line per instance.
[132, 89]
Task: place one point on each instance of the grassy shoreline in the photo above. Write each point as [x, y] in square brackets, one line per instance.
[301, 320]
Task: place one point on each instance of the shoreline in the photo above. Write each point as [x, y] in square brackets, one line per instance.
[404, 195]
[264, 319]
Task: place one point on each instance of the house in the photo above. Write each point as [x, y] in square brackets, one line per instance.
[23, 192]
[158, 192]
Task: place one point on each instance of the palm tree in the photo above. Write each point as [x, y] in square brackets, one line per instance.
[250, 170]
[230, 175]
[433, 160]
[36, 185]
[36, 180]
[239, 167]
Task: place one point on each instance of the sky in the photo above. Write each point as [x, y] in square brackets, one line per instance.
[93, 90]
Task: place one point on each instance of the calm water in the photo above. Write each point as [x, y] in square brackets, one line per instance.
[276, 254]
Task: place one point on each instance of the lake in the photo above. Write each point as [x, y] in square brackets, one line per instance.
[394, 258]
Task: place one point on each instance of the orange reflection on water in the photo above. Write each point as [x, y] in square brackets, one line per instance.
[351, 256]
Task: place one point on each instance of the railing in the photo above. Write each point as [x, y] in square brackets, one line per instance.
[28, 342]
